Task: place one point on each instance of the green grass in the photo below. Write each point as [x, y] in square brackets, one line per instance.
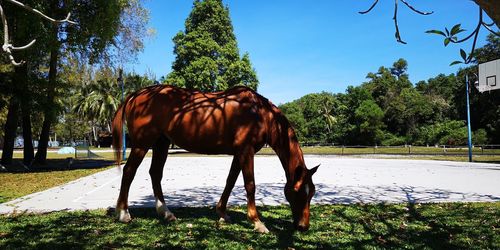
[418, 153]
[15, 185]
[413, 226]
[325, 150]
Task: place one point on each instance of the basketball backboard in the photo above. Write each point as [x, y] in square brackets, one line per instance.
[489, 76]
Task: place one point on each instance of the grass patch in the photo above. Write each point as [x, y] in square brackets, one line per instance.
[326, 150]
[414, 226]
[418, 153]
[15, 185]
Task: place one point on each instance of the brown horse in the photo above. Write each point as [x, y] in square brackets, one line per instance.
[236, 122]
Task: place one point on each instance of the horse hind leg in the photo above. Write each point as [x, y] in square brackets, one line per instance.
[160, 153]
[231, 180]
[135, 158]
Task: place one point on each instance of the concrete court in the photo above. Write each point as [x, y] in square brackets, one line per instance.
[199, 181]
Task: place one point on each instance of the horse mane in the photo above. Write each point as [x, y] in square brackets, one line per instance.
[283, 140]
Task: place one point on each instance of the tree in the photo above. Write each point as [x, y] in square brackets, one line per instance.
[21, 94]
[103, 30]
[369, 118]
[295, 115]
[399, 68]
[102, 26]
[97, 100]
[315, 117]
[490, 51]
[207, 55]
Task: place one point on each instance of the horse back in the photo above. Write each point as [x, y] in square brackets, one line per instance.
[209, 123]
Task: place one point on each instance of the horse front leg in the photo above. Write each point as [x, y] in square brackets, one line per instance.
[231, 180]
[247, 166]
[133, 162]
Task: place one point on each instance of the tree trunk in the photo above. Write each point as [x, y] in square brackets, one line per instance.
[492, 8]
[24, 95]
[49, 116]
[41, 154]
[94, 135]
[10, 132]
[28, 150]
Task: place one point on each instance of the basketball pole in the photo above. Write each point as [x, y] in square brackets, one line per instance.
[469, 137]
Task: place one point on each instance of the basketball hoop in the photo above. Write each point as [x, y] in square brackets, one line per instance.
[489, 76]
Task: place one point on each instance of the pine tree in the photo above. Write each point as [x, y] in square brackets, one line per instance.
[207, 54]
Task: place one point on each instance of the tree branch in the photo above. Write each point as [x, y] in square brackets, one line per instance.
[370, 9]
[27, 7]
[395, 17]
[7, 47]
[415, 10]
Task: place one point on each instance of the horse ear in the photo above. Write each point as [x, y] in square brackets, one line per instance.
[313, 170]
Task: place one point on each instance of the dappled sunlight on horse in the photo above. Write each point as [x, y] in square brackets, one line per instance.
[237, 122]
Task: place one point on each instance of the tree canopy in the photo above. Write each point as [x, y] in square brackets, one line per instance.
[388, 109]
[103, 32]
[207, 54]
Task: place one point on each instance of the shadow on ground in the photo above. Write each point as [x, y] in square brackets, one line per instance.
[58, 165]
[441, 226]
[273, 194]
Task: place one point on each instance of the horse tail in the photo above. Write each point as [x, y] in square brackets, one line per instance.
[117, 128]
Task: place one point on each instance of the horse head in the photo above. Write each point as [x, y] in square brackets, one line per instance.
[299, 193]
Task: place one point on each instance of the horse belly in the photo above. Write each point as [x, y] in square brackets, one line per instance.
[204, 136]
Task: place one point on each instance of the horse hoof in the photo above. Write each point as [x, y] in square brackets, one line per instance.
[124, 216]
[169, 217]
[225, 219]
[261, 228]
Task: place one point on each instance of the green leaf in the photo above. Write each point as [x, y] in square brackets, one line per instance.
[446, 41]
[455, 29]
[438, 32]
[463, 54]
[455, 62]
[447, 32]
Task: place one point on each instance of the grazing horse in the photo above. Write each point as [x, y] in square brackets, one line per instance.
[236, 122]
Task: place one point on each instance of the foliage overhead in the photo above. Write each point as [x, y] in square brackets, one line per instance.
[492, 8]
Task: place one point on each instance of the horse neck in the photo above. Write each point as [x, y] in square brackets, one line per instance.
[284, 142]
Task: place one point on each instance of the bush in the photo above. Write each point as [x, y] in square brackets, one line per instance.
[480, 137]
[393, 140]
[451, 132]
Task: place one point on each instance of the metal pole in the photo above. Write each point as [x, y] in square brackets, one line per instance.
[120, 81]
[469, 137]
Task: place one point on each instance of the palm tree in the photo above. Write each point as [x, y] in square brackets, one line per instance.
[98, 100]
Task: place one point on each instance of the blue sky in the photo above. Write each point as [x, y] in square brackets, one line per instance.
[299, 47]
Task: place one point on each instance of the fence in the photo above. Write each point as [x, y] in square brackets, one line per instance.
[404, 149]
[82, 149]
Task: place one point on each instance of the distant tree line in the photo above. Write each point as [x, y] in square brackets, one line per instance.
[388, 109]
